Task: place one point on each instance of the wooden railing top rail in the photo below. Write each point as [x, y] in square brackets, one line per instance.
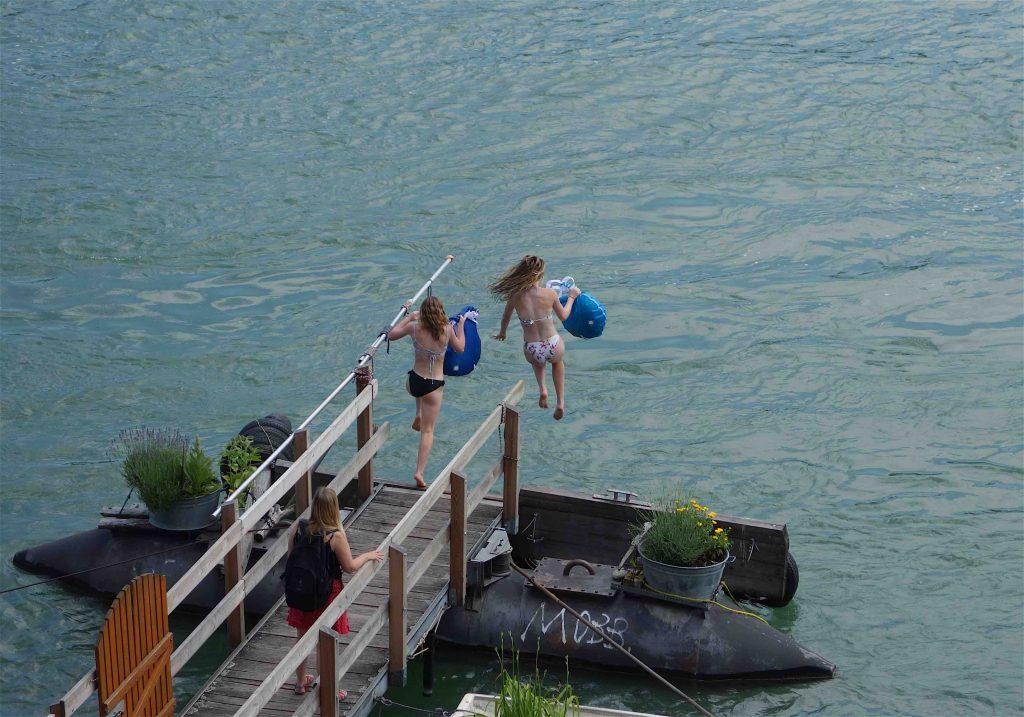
[362, 577]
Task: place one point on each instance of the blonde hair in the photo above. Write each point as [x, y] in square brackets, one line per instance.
[433, 317]
[520, 277]
[325, 515]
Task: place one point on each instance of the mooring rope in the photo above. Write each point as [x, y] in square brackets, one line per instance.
[129, 560]
[101, 567]
[600, 633]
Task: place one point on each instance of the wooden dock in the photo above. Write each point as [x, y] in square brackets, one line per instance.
[427, 537]
[250, 664]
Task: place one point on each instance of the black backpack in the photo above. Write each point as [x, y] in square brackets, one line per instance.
[309, 572]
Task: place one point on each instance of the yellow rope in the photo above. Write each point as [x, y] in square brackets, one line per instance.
[707, 602]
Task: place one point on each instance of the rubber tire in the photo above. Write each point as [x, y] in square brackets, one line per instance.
[792, 581]
[279, 422]
[267, 446]
[268, 433]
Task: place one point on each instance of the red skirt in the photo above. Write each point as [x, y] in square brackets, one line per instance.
[302, 620]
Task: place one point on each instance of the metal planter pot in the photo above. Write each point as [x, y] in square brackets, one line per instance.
[187, 513]
[693, 583]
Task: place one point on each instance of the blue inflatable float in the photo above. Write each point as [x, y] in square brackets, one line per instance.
[460, 364]
[587, 318]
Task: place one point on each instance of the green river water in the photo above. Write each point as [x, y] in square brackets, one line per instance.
[804, 218]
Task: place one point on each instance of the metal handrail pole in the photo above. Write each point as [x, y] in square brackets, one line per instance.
[363, 360]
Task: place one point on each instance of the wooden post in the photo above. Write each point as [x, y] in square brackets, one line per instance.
[304, 485]
[510, 468]
[327, 663]
[457, 541]
[396, 616]
[233, 570]
[364, 431]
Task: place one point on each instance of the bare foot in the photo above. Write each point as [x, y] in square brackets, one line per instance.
[416, 423]
[420, 483]
[559, 412]
[543, 402]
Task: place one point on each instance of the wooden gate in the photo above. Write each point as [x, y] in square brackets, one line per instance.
[133, 655]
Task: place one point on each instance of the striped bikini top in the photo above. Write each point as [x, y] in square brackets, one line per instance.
[531, 322]
[432, 356]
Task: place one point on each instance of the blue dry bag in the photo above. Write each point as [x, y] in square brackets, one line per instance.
[460, 364]
[587, 318]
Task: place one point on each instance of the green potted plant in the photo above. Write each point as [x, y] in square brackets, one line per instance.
[683, 551]
[172, 475]
[237, 461]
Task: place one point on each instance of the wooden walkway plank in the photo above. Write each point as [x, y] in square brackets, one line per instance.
[236, 680]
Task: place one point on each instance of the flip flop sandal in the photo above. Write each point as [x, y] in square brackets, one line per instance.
[307, 684]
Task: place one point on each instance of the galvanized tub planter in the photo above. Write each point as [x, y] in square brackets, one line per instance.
[186, 513]
[699, 583]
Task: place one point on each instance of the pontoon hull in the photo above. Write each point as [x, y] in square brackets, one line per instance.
[687, 642]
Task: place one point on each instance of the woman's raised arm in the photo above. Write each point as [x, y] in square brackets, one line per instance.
[562, 312]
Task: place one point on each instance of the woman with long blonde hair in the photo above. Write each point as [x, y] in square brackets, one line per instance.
[535, 306]
[431, 334]
[325, 524]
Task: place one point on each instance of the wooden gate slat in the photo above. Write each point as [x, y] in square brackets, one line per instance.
[133, 654]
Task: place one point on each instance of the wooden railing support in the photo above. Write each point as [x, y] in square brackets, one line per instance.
[327, 663]
[510, 467]
[364, 431]
[396, 616]
[457, 541]
[233, 571]
[304, 485]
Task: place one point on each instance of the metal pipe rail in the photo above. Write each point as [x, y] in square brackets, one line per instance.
[364, 359]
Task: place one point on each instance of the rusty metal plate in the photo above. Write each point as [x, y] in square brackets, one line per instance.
[550, 573]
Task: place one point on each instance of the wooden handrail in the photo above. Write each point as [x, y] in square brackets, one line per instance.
[213, 556]
[362, 577]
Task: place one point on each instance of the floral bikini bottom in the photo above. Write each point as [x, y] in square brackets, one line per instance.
[542, 350]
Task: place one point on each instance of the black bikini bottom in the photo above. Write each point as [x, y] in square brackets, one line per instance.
[419, 386]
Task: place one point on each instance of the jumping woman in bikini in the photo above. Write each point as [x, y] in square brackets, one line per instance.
[536, 306]
[431, 334]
